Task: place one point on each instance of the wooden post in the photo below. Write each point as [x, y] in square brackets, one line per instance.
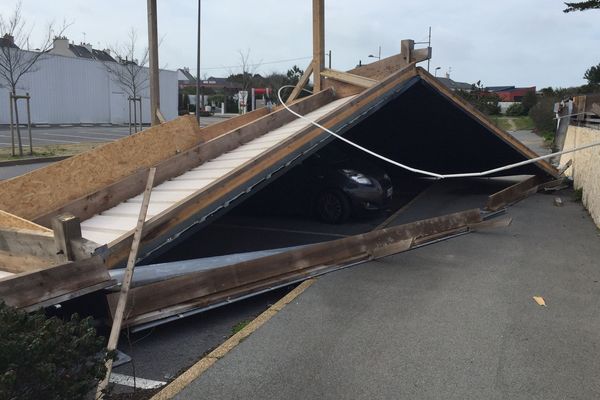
[153, 62]
[29, 124]
[318, 42]
[12, 127]
[113, 340]
[67, 228]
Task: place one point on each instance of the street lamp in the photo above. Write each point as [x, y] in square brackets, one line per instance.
[436, 70]
[378, 57]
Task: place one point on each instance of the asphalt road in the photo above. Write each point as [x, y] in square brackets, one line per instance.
[44, 136]
[454, 320]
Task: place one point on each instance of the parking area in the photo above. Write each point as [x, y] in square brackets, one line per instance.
[73, 134]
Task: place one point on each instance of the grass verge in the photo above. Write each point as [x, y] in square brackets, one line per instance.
[49, 151]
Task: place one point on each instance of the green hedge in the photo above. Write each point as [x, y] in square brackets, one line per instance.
[48, 358]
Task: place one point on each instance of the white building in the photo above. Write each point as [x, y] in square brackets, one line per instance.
[72, 90]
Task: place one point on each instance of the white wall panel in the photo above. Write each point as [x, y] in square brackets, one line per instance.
[67, 90]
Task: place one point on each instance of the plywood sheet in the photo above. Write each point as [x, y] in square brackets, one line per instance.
[11, 221]
[46, 189]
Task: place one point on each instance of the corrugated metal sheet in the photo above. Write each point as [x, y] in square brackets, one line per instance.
[66, 90]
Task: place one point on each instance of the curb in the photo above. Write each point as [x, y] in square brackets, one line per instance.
[26, 161]
[196, 370]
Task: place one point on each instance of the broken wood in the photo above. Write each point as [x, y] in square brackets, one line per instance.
[513, 193]
[301, 83]
[115, 330]
[230, 280]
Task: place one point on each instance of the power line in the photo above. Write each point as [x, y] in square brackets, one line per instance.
[258, 64]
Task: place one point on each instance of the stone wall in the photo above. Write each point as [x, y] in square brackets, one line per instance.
[585, 169]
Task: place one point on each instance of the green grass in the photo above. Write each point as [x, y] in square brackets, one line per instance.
[49, 151]
[521, 123]
[239, 326]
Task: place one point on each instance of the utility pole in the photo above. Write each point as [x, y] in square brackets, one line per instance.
[429, 45]
[318, 42]
[153, 61]
[198, 66]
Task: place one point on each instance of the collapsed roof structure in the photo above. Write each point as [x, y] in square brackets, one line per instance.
[63, 226]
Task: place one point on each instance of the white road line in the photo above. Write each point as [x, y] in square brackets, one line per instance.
[36, 139]
[130, 381]
[71, 136]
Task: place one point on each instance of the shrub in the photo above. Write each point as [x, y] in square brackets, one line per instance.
[529, 100]
[47, 358]
[542, 115]
[484, 101]
[515, 110]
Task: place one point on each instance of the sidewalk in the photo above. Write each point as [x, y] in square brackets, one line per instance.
[454, 320]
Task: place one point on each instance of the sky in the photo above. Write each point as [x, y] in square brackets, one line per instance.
[508, 42]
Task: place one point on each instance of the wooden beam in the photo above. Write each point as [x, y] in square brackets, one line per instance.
[301, 83]
[513, 193]
[352, 79]
[230, 280]
[20, 242]
[153, 62]
[67, 230]
[318, 42]
[111, 195]
[51, 285]
[115, 330]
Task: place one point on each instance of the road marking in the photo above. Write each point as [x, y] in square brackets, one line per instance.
[35, 139]
[90, 138]
[141, 383]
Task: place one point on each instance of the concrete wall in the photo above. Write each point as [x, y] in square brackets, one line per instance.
[585, 168]
[67, 90]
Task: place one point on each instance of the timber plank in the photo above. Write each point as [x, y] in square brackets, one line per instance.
[29, 288]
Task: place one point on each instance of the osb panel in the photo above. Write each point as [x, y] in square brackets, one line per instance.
[49, 188]
[585, 172]
[12, 221]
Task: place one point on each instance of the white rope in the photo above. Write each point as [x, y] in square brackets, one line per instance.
[424, 172]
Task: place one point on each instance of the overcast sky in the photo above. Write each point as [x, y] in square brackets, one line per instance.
[508, 42]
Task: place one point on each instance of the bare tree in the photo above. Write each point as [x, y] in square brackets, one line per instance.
[14, 62]
[130, 71]
[246, 77]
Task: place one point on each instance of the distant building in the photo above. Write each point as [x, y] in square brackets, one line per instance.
[511, 93]
[62, 47]
[8, 41]
[185, 78]
[454, 85]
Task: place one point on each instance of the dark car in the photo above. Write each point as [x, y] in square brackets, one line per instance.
[333, 184]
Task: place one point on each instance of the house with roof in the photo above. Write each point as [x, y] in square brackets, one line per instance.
[454, 85]
[62, 47]
[511, 94]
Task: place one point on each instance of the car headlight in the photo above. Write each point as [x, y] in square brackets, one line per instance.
[357, 177]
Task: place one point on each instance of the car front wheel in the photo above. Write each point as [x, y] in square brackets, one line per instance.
[333, 207]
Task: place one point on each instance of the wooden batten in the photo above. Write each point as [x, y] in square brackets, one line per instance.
[352, 79]
[30, 290]
[301, 83]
